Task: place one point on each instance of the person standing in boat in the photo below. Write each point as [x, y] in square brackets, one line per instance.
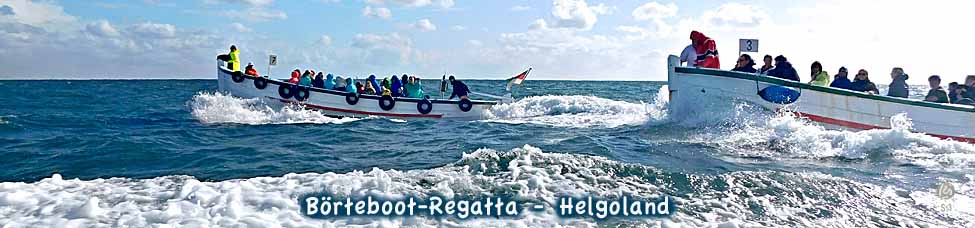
[898, 86]
[783, 69]
[936, 94]
[841, 81]
[861, 82]
[234, 61]
[745, 64]
[706, 49]
[768, 65]
[688, 56]
[459, 89]
[819, 77]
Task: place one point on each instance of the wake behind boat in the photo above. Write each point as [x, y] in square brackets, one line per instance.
[346, 104]
[831, 106]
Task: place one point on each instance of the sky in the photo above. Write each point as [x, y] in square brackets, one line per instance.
[488, 39]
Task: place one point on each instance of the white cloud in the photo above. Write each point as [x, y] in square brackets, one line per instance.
[153, 30]
[539, 24]
[573, 14]
[736, 15]
[654, 10]
[458, 28]
[387, 49]
[240, 27]
[256, 14]
[325, 41]
[424, 25]
[520, 8]
[476, 43]
[102, 28]
[254, 3]
[380, 12]
[602, 9]
[413, 3]
[42, 14]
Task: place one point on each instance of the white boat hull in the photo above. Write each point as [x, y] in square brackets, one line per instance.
[334, 103]
[831, 106]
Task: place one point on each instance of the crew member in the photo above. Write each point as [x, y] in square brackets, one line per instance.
[234, 61]
[460, 89]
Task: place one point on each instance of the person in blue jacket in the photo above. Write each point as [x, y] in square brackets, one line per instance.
[329, 81]
[783, 69]
[305, 79]
[841, 81]
[460, 89]
[395, 86]
[350, 86]
[375, 85]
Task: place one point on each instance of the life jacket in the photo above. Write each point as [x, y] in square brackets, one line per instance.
[235, 60]
[295, 77]
[251, 71]
[707, 51]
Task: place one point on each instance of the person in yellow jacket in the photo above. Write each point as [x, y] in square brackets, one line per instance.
[819, 77]
[234, 58]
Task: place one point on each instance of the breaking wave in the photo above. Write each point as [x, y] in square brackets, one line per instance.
[749, 131]
[732, 199]
[579, 111]
[216, 108]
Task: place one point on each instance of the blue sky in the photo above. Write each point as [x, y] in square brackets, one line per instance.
[561, 39]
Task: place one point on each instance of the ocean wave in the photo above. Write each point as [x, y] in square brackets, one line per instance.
[216, 108]
[761, 133]
[577, 111]
[527, 173]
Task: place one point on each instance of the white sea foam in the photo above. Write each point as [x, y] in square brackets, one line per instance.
[743, 198]
[574, 111]
[755, 133]
[216, 107]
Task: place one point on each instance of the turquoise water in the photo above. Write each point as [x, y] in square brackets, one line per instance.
[176, 152]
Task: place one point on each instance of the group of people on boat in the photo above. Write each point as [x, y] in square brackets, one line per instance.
[702, 53]
[396, 86]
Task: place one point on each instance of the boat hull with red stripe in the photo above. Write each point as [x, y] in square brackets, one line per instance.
[830, 106]
[334, 103]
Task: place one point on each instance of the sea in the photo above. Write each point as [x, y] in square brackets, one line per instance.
[178, 153]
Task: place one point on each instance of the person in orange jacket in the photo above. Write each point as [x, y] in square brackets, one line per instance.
[249, 70]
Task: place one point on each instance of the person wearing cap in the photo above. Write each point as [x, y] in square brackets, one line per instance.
[249, 70]
[783, 69]
[841, 81]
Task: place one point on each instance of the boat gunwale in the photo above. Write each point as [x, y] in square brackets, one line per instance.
[361, 96]
[830, 90]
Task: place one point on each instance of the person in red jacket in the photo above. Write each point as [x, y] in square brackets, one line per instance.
[295, 76]
[707, 50]
[249, 70]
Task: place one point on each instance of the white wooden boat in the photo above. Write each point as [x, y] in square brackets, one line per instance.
[345, 104]
[830, 106]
